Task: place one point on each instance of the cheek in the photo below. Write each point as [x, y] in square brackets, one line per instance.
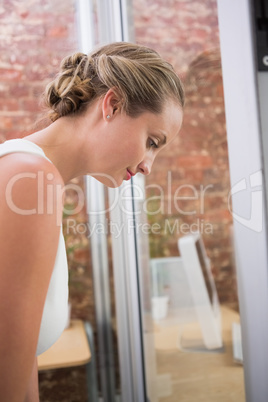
[127, 146]
[135, 153]
[130, 146]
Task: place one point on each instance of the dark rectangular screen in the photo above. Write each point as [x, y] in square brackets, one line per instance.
[201, 256]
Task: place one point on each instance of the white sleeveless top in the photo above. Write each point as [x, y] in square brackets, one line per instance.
[55, 313]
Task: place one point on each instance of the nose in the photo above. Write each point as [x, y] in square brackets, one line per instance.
[145, 167]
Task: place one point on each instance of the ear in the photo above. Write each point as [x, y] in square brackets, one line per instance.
[111, 104]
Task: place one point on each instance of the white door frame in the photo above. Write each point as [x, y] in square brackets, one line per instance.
[244, 120]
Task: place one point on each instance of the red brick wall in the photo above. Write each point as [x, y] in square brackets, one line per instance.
[35, 36]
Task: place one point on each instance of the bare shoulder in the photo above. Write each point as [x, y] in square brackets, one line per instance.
[30, 216]
[21, 162]
[27, 183]
[31, 202]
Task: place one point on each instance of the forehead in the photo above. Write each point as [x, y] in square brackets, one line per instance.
[169, 121]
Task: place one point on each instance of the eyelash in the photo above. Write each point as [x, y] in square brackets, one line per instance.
[152, 143]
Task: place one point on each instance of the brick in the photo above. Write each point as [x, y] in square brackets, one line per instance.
[18, 89]
[31, 104]
[12, 134]
[58, 32]
[9, 74]
[5, 123]
[195, 161]
[9, 104]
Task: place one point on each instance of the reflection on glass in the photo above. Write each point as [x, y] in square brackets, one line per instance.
[187, 193]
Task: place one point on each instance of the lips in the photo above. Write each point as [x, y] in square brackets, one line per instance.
[129, 174]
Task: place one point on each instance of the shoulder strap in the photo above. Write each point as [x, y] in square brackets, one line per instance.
[21, 145]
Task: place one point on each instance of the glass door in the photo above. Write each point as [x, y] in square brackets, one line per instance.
[192, 346]
[191, 313]
[178, 245]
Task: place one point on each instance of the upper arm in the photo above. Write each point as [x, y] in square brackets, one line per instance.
[30, 218]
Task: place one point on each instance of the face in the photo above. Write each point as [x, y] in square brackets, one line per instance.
[131, 145]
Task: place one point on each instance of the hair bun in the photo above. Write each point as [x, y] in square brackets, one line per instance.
[72, 61]
[65, 94]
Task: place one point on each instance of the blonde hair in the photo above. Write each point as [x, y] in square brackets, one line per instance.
[143, 80]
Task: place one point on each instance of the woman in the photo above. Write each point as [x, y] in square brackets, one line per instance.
[112, 111]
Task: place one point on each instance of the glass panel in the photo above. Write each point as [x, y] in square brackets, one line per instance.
[190, 303]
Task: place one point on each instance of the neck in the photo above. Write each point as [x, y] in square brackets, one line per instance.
[62, 142]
